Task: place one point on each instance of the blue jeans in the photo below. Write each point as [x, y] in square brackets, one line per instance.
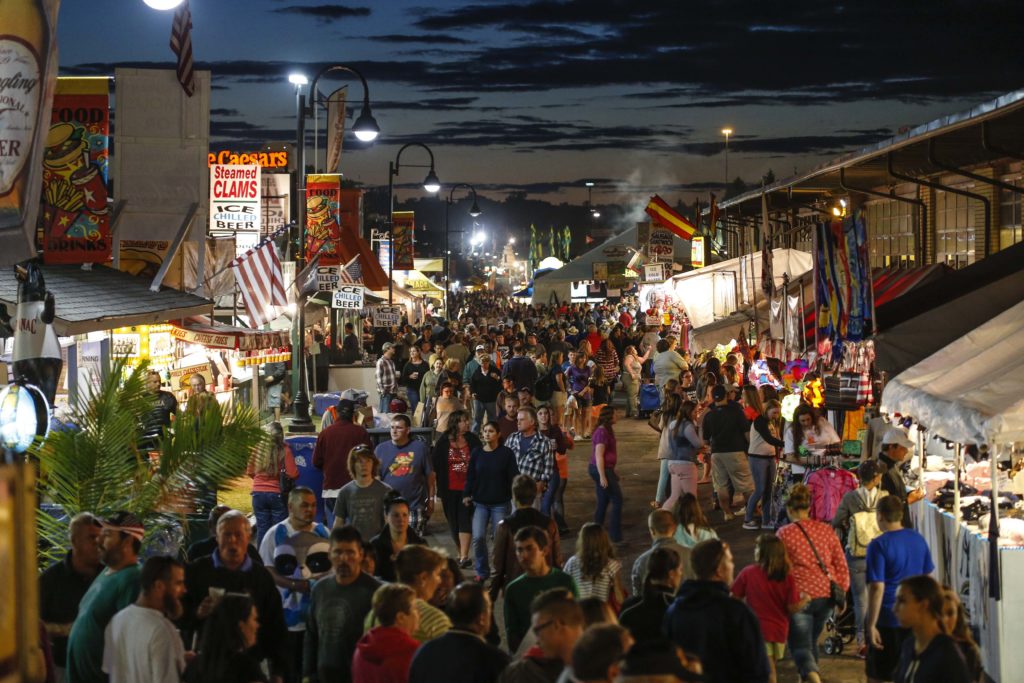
[804, 629]
[663, 482]
[605, 496]
[385, 402]
[550, 493]
[480, 410]
[269, 509]
[481, 515]
[859, 588]
[414, 399]
[763, 472]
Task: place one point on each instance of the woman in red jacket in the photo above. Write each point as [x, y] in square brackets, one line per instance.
[384, 653]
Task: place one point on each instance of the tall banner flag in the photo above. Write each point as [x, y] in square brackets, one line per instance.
[665, 216]
[323, 195]
[842, 284]
[713, 214]
[181, 46]
[259, 277]
[335, 128]
[74, 217]
[235, 204]
[767, 269]
[566, 243]
[551, 240]
[403, 224]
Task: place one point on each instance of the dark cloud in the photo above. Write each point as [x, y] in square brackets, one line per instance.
[434, 38]
[225, 112]
[797, 144]
[324, 14]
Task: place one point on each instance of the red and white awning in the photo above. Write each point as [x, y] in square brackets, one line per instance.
[200, 330]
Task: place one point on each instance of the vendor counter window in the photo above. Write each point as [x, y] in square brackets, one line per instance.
[891, 227]
[954, 228]
[1010, 232]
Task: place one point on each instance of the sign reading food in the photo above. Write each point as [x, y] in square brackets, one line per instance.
[323, 231]
[403, 225]
[74, 217]
[181, 376]
[235, 204]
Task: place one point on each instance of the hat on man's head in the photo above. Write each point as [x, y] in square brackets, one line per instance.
[126, 523]
[480, 347]
[354, 395]
[718, 392]
[898, 437]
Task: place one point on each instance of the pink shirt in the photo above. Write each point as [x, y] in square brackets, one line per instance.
[269, 483]
[605, 436]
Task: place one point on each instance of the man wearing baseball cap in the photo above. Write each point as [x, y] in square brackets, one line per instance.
[115, 588]
[896, 447]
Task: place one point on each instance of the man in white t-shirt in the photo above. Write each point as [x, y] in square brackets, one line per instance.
[141, 643]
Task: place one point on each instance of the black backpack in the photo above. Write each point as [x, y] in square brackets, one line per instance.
[546, 385]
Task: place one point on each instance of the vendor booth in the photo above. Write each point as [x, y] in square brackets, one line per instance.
[563, 284]
[969, 392]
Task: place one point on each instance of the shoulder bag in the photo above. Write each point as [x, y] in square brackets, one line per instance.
[837, 596]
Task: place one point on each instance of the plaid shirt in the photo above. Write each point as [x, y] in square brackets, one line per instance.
[387, 379]
[539, 461]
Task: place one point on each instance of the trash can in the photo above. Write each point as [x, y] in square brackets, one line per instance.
[309, 476]
[321, 402]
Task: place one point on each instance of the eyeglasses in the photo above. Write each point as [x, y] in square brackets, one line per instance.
[540, 627]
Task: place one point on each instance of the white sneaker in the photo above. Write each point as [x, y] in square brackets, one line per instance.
[727, 516]
[751, 525]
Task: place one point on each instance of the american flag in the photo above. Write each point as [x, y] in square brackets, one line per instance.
[352, 273]
[181, 45]
[258, 274]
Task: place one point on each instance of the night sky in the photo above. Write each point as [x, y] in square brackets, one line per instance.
[539, 96]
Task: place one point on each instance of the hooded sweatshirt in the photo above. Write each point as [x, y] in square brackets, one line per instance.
[383, 655]
[707, 621]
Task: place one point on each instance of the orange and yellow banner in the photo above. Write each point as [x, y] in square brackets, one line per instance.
[662, 214]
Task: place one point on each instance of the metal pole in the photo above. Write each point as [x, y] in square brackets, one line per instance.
[447, 258]
[301, 421]
[391, 230]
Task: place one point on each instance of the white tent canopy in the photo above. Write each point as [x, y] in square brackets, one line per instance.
[581, 268]
[714, 292]
[971, 391]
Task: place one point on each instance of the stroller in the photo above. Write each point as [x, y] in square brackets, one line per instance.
[840, 628]
[650, 397]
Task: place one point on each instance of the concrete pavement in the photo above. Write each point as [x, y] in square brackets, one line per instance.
[638, 472]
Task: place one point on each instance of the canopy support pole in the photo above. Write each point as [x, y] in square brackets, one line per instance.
[175, 246]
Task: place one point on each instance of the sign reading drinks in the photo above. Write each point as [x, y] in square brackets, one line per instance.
[235, 204]
[349, 298]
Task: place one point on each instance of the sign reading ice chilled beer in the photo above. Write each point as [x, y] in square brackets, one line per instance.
[349, 298]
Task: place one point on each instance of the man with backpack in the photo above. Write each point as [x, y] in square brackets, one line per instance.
[856, 517]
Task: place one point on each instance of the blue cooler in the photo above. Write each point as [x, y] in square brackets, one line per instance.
[309, 476]
[321, 402]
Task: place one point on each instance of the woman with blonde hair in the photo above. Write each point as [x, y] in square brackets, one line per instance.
[594, 568]
[269, 464]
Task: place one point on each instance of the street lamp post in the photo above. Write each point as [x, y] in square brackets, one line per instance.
[727, 131]
[366, 129]
[474, 211]
[431, 184]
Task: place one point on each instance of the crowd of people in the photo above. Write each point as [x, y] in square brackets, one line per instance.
[509, 391]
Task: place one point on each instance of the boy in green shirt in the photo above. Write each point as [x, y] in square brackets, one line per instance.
[537, 577]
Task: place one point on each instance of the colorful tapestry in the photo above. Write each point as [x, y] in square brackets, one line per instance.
[842, 281]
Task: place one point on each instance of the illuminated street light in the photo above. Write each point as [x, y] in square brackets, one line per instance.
[163, 4]
[298, 79]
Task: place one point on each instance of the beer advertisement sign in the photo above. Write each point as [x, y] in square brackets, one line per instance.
[235, 204]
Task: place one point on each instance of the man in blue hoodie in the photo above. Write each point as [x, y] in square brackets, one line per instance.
[706, 621]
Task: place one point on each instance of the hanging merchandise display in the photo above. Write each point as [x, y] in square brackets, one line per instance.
[842, 285]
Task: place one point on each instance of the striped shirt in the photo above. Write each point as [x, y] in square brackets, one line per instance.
[433, 622]
[599, 587]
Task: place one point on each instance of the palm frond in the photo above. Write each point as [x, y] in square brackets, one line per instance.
[96, 464]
